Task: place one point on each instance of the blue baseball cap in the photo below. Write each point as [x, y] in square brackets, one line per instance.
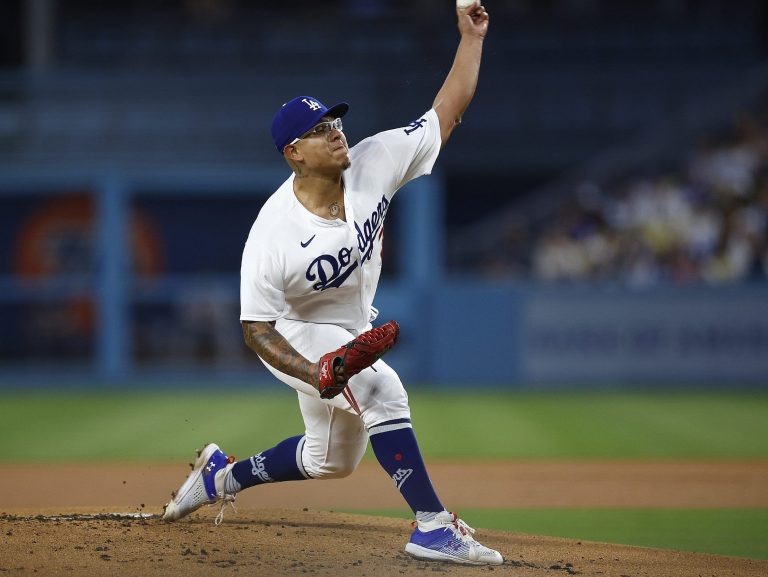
[297, 116]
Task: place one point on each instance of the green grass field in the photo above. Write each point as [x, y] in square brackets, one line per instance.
[149, 425]
[143, 425]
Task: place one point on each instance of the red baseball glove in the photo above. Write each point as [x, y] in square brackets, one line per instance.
[337, 367]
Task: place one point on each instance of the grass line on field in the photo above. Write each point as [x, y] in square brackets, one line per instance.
[149, 425]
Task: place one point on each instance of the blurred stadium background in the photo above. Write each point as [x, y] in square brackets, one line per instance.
[599, 220]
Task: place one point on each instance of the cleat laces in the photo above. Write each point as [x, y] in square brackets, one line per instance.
[226, 498]
[462, 530]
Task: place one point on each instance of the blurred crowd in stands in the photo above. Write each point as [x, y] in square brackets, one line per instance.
[705, 220]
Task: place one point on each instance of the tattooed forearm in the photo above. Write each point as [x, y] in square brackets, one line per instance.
[265, 341]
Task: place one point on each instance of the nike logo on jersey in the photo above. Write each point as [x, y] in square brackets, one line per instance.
[306, 244]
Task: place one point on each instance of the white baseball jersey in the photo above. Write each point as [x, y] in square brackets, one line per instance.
[299, 266]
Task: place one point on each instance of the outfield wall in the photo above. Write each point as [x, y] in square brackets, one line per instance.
[606, 336]
[176, 324]
[481, 334]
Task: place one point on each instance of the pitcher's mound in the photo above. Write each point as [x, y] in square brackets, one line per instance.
[279, 542]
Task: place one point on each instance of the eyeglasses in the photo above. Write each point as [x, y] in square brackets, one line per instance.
[321, 129]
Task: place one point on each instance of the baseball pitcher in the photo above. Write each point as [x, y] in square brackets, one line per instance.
[309, 274]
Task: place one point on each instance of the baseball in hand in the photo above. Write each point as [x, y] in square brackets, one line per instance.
[464, 4]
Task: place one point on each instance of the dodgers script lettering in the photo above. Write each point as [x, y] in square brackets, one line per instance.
[331, 271]
[367, 234]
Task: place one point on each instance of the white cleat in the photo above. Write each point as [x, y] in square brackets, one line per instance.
[204, 486]
[448, 538]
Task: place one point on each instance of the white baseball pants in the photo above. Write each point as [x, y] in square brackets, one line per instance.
[336, 435]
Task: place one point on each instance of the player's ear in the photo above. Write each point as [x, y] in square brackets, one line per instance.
[291, 152]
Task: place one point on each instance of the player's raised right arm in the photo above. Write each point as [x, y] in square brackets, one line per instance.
[458, 89]
[263, 339]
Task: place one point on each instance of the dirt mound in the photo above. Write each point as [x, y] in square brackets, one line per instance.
[292, 542]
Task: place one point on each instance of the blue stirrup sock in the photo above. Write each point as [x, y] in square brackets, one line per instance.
[280, 463]
[397, 450]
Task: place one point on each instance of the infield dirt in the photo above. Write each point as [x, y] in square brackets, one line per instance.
[103, 520]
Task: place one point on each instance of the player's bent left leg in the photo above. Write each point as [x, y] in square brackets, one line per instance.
[448, 538]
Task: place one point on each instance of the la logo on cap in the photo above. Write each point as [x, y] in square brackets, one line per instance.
[311, 103]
